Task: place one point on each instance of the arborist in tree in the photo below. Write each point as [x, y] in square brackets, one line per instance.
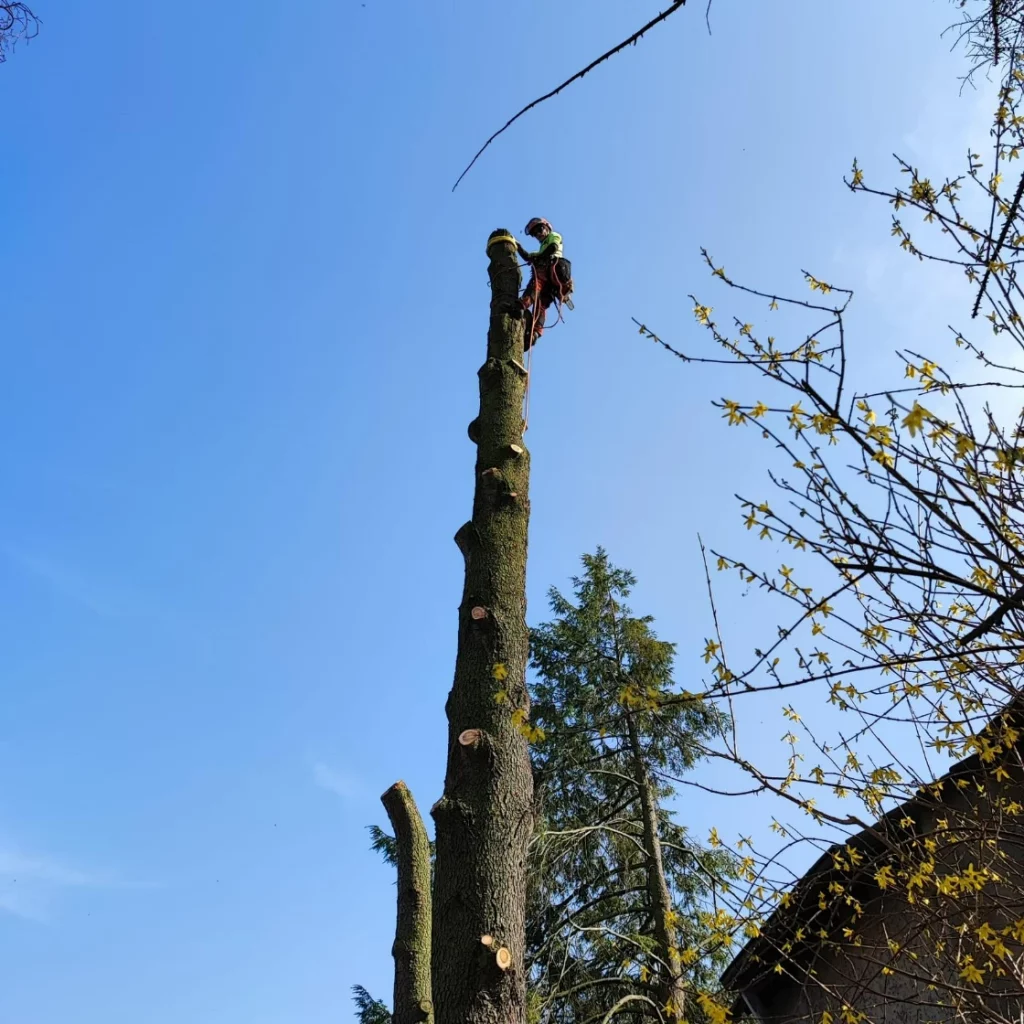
[550, 280]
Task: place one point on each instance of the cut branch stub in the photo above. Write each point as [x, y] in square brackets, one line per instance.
[478, 613]
[519, 368]
[464, 537]
[472, 738]
[502, 955]
[515, 450]
[490, 368]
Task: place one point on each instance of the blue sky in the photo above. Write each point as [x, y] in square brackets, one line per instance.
[243, 318]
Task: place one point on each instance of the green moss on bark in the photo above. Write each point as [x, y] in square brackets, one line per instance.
[411, 950]
[485, 818]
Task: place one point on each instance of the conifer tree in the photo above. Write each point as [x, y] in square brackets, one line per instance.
[617, 888]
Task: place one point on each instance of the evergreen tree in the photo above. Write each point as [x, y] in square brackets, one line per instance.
[618, 892]
[368, 1009]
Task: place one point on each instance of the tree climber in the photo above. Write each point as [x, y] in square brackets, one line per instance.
[550, 280]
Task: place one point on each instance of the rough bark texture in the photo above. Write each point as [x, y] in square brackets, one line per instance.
[672, 990]
[484, 819]
[411, 950]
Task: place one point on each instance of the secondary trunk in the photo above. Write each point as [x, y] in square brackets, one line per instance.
[411, 950]
[484, 819]
[671, 988]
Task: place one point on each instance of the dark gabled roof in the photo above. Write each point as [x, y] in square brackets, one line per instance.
[757, 959]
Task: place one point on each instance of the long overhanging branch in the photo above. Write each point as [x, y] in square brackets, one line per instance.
[634, 38]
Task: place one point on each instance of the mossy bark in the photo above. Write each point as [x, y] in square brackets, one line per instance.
[411, 950]
[484, 819]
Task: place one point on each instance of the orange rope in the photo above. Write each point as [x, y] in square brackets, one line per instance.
[526, 397]
[529, 351]
[533, 324]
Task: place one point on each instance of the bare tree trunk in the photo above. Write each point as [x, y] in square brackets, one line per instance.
[484, 819]
[411, 950]
[672, 990]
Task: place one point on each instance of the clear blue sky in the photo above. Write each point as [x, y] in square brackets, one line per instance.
[243, 315]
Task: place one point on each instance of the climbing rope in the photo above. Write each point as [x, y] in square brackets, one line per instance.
[529, 353]
[554, 279]
[500, 238]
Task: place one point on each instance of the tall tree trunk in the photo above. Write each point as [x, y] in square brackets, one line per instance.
[484, 819]
[411, 950]
[672, 988]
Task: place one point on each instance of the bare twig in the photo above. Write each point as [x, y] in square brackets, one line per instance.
[635, 37]
[16, 22]
[1011, 216]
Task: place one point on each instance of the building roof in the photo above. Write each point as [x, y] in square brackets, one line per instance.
[756, 961]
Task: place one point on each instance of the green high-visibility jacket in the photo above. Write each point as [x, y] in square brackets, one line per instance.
[550, 248]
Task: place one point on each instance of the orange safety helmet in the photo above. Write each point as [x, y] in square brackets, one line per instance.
[537, 222]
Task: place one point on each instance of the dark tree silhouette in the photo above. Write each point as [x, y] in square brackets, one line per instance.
[16, 22]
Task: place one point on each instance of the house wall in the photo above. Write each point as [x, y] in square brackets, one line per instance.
[853, 974]
[840, 977]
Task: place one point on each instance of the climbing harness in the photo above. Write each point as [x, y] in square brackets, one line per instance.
[564, 290]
